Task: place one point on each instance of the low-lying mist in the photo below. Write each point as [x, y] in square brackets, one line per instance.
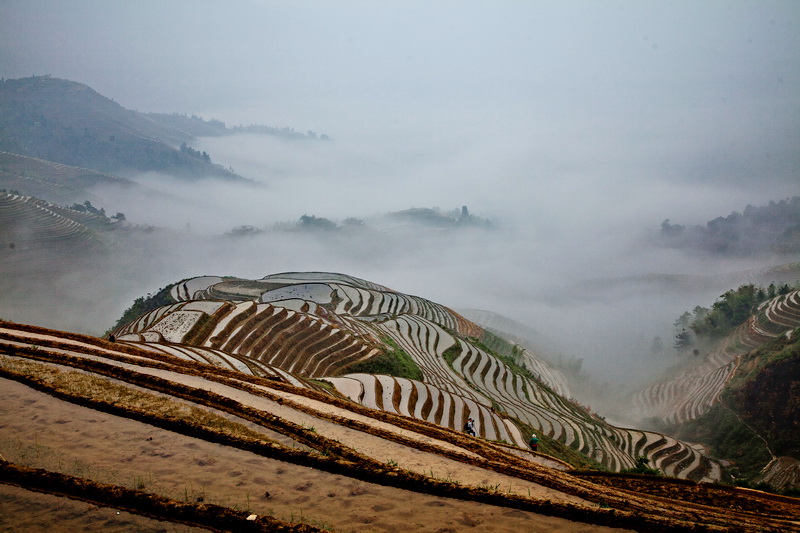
[567, 253]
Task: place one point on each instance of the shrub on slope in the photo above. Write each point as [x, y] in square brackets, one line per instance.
[768, 394]
[393, 361]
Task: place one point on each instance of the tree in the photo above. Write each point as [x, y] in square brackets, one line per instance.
[683, 340]
[771, 291]
[642, 467]
[310, 222]
[684, 321]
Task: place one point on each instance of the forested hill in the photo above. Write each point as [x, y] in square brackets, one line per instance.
[772, 228]
[69, 123]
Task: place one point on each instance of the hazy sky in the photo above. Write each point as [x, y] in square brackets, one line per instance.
[698, 92]
[575, 125]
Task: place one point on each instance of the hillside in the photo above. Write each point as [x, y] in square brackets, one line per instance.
[115, 435]
[54, 182]
[740, 397]
[69, 123]
[754, 423]
[337, 328]
[195, 126]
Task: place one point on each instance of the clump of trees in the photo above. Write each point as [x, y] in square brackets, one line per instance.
[731, 309]
[311, 222]
[188, 150]
[144, 304]
[87, 207]
[642, 467]
[773, 228]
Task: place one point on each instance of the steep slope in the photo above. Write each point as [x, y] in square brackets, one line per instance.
[754, 422]
[320, 325]
[69, 123]
[54, 182]
[142, 434]
[741, 399]
[696, 388]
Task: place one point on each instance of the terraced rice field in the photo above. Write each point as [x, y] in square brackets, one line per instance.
[316, 325]
[33, 233]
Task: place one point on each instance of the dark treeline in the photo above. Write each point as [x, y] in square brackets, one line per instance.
[432, 218]
[773, 228]
[199, 127]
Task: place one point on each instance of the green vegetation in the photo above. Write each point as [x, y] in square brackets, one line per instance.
[311, 223]
[197, 154]
[559, 450]
[144, 304]
[731, 309]
[642, 467]
[500, 345]
[510, 355]
[451, 354]
[729, 438]
[393, 361]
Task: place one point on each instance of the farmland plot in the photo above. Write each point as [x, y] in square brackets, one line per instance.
[295, 326]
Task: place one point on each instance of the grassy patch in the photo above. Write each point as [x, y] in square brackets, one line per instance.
[451, 354]
[393, 361]
[642, 467]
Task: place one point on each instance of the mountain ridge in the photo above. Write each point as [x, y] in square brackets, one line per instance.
[70, 123]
